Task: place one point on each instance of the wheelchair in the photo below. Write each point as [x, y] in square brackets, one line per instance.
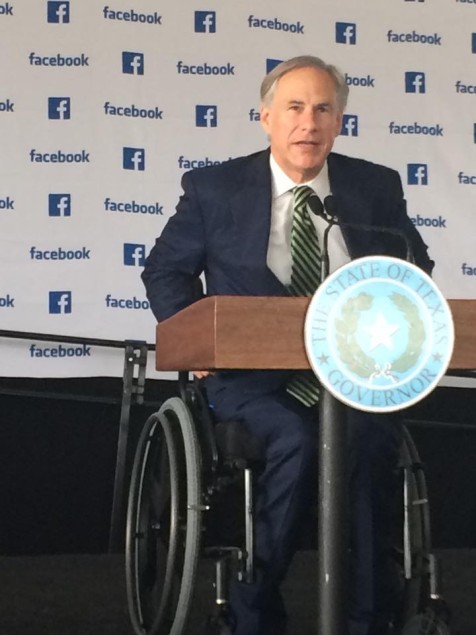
[186, 468]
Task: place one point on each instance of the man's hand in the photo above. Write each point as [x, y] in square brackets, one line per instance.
[200, 374]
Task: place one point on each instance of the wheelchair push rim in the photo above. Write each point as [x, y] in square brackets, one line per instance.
[164, 522]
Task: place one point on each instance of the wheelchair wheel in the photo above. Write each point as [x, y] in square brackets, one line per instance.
[164, 522]
[414, 544]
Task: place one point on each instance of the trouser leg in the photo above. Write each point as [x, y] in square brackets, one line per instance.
[374, 443]
[288, 432]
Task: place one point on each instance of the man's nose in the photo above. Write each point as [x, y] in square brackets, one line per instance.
[309, 120]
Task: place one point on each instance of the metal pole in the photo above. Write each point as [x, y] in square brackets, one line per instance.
[135, 354]
[332, 518]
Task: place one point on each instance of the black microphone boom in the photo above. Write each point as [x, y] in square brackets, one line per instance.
[328, 212]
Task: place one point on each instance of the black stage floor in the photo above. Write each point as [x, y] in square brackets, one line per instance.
[85, 594]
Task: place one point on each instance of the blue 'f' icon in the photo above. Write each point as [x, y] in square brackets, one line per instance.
[415, 82]
[58, 12]
[206, 116]
[132, 63]
[205, 22]
[60, 302]
[350, 126]
[134, 255]
[417, 173]
[133, 159]
[346, 33]
[270, 64]
[59, 205]
[59, 108]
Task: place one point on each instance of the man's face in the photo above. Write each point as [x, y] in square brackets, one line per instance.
[302, 121]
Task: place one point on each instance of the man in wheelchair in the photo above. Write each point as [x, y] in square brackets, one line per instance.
[242, 224]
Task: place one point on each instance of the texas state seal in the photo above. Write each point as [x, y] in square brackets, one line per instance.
[378, 333]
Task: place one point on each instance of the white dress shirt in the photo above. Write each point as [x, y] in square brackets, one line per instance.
[279, 258]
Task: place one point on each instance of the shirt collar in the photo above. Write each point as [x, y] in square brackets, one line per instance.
[281, 183]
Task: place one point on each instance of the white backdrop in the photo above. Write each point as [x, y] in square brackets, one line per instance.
[103, 107]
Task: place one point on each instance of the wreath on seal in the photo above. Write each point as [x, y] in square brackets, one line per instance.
[352, 355]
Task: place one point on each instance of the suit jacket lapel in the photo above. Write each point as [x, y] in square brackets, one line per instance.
[250, 206]
[351, 206]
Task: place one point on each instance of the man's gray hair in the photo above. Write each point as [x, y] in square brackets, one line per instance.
[269, 83]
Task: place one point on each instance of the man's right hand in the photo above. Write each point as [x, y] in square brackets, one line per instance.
[200, 374]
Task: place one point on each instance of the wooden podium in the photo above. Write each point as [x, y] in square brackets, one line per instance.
[238, 332]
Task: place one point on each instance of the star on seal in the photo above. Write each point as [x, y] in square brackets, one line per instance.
[381, 332]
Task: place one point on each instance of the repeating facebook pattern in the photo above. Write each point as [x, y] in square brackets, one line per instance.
[121, 100]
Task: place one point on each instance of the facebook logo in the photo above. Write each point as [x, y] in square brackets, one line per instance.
[132, 63]
[60, 302]
[270, 64]
[415, 82]
[473, 42]
[58, 12]
[59, 108]
[417, 173]
[205, 22]
[350, 126]
[346, 33]
[134, 255]
[59, 205]
[133, 159]
[206, 116]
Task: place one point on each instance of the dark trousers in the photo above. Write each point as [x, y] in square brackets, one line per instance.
[285, 490]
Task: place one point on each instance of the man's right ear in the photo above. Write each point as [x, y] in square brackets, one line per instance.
[264, 118]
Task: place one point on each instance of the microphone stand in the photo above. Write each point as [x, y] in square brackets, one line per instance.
[333, 522]
[332, 534]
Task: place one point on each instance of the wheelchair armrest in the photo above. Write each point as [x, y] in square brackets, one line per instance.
[235, 442]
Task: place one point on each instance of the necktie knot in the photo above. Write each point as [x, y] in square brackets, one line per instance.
[301, 195]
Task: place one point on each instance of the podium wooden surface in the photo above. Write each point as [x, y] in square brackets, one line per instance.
[241, 332]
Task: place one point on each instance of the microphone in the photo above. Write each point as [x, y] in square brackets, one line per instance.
[328, 211]
[330, 205]
[316, 206]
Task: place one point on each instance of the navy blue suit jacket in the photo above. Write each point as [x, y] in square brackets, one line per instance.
[222, 227]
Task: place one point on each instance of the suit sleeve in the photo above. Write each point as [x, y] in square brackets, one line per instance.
[172, 269]
[401, 220]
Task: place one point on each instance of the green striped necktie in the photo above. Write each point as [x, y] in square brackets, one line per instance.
[305, 278]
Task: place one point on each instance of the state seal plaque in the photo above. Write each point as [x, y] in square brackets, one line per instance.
[378, 334]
